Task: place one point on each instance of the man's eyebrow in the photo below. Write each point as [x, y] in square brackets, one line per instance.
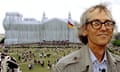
[99, 19]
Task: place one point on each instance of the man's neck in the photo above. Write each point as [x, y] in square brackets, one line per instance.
[98, 51]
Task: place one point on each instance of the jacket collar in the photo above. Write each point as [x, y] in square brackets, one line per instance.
[111, 62]
[81, 56]
[86, 60]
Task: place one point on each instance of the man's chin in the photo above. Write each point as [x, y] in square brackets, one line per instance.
[103, 43]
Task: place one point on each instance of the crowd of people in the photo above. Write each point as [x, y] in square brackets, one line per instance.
[43, 57]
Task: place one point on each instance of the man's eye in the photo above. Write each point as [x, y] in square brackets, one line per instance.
[109, 23]
[96, 23]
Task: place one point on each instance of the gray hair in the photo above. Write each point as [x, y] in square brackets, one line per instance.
[86, 15]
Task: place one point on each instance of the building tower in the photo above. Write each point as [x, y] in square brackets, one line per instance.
[44, 18]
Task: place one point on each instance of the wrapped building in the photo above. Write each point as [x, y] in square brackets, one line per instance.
[19, 30]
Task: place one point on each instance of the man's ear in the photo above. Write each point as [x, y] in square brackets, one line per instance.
[83, 29]
[84, 33]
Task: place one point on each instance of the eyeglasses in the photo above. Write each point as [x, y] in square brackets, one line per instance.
[97, 24]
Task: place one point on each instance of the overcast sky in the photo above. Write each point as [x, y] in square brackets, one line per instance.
[54, 8]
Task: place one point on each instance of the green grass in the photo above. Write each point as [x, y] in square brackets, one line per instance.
[37, 68]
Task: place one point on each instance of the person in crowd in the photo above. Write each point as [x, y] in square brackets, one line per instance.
[49, 64]
[95, 32]
[8, 63]
[42, 63]
[30, 66]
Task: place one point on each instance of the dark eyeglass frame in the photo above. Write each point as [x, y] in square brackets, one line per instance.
[97, 24]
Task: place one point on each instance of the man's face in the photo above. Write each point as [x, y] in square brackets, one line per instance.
[102, 35]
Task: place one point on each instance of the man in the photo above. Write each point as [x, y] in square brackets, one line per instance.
[96, 30]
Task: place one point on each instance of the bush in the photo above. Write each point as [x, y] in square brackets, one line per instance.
[116, 42]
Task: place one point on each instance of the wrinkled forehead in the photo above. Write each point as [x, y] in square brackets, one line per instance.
[101, 14]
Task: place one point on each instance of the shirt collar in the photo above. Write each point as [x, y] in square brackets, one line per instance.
[94, 59]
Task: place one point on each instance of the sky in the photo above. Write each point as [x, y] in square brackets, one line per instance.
[54, 9]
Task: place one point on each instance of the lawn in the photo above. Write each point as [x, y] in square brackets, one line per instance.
[54, 54]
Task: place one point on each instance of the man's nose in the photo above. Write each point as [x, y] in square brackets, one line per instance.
[103, 27]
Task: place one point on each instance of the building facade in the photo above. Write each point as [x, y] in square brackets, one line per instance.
[29, 30]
